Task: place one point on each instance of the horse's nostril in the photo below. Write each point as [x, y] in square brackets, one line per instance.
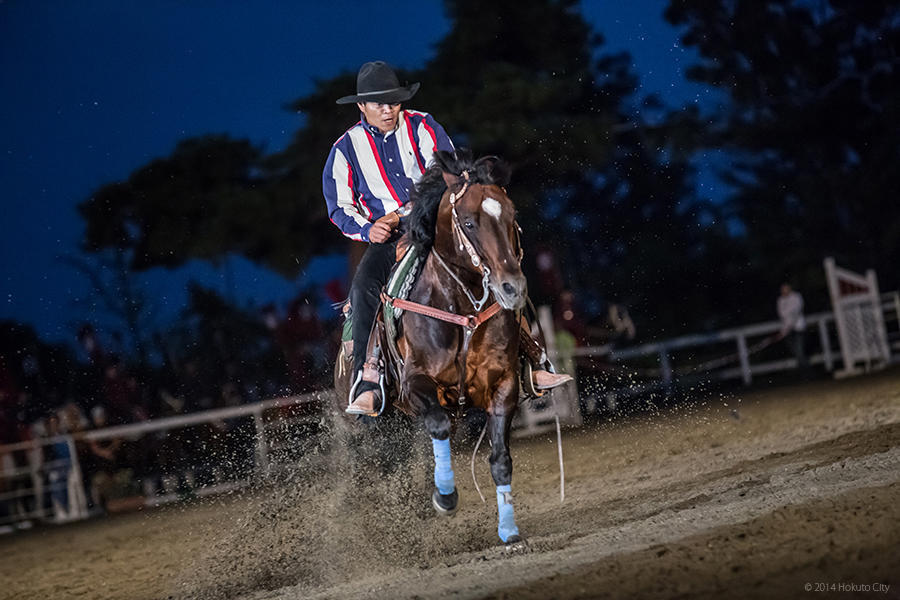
[509, 289]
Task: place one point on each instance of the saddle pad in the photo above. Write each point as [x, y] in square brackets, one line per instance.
[347, 331]
[399, 285]
[403, 275]
[401, 280]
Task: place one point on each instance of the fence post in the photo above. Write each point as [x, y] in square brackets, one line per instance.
[564, 400]
[746, 373]
[665, 366]
[35, 458]
[545, 316]
[826, 345]
[78, 500]
[897, 307]
[262, 447]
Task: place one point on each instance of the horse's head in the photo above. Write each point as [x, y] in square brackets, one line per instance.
[480, 220]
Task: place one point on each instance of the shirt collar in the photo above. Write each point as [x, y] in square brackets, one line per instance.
[375, 131]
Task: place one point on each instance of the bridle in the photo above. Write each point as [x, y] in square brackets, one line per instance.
[466, 245]
[470, 322]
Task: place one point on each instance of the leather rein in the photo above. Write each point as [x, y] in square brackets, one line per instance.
[470, 322]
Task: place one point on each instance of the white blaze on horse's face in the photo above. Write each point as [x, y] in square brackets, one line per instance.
[492, 207]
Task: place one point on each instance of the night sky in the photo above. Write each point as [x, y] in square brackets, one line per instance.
[93, 89]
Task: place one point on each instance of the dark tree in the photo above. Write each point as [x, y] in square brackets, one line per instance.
[812, 120]
[612, 195]
[117, 299]
[202, 202]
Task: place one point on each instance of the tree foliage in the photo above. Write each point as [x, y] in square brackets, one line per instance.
[202, 202]
[610, 193]
[812, 120]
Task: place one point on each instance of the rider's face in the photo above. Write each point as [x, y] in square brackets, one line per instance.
[380, 115]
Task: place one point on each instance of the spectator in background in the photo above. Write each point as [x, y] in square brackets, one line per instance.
[9, 434]
[300, 337]
[58, 465]
[192, 388]
[568, 317]
[793, 324]
[15, 427]
[100, 460]
[9, 404]
[120, 394]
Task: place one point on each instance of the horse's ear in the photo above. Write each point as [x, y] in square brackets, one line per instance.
[451, 180]
[494, 170]
[447, 163]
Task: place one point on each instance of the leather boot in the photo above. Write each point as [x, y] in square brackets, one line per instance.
[534, 352]
[368, 402]
[545, 380]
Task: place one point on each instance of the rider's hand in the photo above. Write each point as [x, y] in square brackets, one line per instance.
[381, 229]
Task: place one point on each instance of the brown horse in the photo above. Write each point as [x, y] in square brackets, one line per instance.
[458, 338]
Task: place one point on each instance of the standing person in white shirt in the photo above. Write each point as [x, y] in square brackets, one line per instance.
[793, 324]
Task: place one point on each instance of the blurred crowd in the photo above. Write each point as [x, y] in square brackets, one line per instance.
[291, 356]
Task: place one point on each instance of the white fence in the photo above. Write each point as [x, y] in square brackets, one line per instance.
[43, 479]
[733, 353]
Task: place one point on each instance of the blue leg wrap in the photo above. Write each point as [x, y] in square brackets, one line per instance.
[443, 469]
[507, 524]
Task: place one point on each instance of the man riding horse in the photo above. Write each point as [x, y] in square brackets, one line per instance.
[367, 180]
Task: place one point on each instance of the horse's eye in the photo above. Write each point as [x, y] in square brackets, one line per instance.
[469, 225]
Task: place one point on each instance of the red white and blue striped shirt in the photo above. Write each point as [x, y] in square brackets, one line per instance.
[369, 174]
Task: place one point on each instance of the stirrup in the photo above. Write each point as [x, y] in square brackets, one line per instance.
[352, 395]
[528, 381]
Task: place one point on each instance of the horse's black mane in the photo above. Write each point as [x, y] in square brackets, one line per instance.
[487, 170]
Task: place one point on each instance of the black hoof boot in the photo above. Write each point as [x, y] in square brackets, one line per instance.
[445, 505]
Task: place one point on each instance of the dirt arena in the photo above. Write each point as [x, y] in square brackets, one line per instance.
[783, 493]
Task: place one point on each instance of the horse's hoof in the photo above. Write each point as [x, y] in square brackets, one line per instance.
[515, 543]
[445, 504]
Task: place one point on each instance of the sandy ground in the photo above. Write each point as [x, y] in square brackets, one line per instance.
[763, 494]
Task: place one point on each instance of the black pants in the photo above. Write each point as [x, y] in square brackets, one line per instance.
[365, 291]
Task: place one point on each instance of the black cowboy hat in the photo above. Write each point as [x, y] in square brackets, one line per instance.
[377, 82]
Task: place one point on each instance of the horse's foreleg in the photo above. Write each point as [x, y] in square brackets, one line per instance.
[501, 470]
[423, 399]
